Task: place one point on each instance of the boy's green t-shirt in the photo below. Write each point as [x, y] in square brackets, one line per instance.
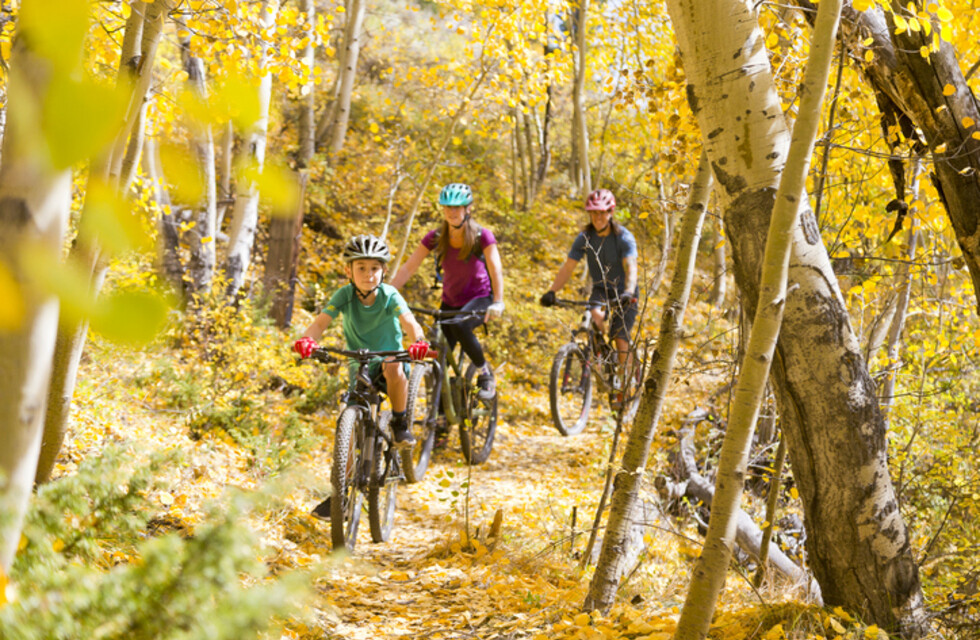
[374, 327]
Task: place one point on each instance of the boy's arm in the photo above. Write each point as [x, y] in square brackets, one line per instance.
[411, 327]
[318, 326]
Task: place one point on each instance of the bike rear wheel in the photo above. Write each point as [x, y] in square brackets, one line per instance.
[421, 410]
[570, 388]
[347, 500]
[383, 486]
[479, 421]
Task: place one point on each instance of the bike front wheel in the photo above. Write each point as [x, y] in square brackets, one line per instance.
[479, 421]
[383, 486]
[421, 411]
[347, 500]
[570, 388]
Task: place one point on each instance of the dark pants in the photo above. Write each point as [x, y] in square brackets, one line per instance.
[462, 331]
[623, 315]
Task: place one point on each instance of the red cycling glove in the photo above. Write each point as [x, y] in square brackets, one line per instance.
[418, 350]
[305, 346]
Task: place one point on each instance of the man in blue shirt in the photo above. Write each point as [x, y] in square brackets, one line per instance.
[610, 252]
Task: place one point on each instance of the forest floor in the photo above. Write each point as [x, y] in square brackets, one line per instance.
[439, 576]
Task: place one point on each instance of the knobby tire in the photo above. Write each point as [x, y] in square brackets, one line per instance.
[479, 425]
[346, 501]
[421, 409]
[383, 486]
[570, 390]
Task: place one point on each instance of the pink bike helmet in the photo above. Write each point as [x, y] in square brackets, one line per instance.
[600, 200]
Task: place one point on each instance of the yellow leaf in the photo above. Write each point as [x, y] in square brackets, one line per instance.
[914, 25]
[838, 627]
[901, 26]
[949, 90]
[794, 494]
[869, 55]
[166, 499]
[58, 544]
[457, 141]
[3, 587]
[772, 40]
[944, 14]
[968, 122]
[924, 52]
[862, 5]
[12, 310]
[940, 148]
[583, 620]
[975, 135]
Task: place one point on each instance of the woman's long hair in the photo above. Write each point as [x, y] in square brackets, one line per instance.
[471, 241]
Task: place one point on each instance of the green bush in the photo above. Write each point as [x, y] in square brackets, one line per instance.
[88, 568]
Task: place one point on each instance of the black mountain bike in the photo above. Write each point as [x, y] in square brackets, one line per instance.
[585, 359]
[365, 461]
[449, 383]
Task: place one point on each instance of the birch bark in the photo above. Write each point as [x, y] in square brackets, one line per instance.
[35, 198]
[626, 488]
[856, 539]
[712, 566]
[245, 216]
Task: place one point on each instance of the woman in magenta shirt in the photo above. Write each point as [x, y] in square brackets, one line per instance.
[472, 275]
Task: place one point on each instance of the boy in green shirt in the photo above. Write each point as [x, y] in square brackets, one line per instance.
[375, 317]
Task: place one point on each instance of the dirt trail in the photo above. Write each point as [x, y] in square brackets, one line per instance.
[424, 583]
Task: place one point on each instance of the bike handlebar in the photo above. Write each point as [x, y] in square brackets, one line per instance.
[324, 354]
[447, 317]
[578, 303]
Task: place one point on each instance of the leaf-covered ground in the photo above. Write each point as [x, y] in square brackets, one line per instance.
[441, 575]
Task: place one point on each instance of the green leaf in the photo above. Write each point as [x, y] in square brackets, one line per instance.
[108, 220]
[131, 317]
[80, 119]
[183, 173]
[67, 280]
[56, 30]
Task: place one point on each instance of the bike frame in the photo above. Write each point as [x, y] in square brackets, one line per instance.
[449, 367]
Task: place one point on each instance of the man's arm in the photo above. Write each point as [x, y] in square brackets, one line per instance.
[564, 274]
[629, 265]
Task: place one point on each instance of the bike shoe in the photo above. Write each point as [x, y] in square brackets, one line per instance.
[322, 510]
[486, 387]
[402, 435]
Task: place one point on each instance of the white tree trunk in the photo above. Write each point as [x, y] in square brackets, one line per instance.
[135, 73]
[201, 237]
[626, 488]
[856, 540]
[35, 200]
[245, 216]
[582, 173]
[712, 566]
[348, 73]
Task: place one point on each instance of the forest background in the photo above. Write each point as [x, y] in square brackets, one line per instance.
[177, 179]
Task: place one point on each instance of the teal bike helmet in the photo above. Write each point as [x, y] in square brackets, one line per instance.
[456, 195]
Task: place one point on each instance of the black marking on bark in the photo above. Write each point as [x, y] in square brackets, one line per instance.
[808, 222]
[715, 133]
[692, 99]
[773, 155]
[732, 183]
[14, 212]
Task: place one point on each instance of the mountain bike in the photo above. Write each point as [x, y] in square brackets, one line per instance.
[450, 384]
[365, 461]
[589, 357]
